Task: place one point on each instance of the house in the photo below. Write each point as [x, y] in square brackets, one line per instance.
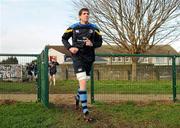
[178, 59]
[63, 56]
[117, 68]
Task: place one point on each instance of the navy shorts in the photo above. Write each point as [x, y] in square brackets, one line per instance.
[82, 66]
[51, 74]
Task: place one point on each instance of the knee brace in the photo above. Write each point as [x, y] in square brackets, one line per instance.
[81, 76]
[88, 78]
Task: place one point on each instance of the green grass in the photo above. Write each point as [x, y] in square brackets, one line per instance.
[25, 115]
[138, 87]
[17, 87]
[106, 86]
[119, 87]
[125, 115]
[153, 115]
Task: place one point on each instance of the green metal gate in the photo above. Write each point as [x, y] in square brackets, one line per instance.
[43, 82]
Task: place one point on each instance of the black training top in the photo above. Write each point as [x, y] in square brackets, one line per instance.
[52, 67]
[79, 33]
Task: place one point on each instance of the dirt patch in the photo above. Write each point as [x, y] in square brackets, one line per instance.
[133, 97]
[141, 99]
[7, 102]
[19, 97]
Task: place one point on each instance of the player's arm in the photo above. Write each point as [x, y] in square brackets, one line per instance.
[67, 34]
[97, 39]
[57, 63]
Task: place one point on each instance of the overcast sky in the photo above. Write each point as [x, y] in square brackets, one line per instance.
[26, 26]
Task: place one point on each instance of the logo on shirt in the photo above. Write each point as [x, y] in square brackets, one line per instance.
[84, 38]
[90, 31]
[79, 69]
[77, 31]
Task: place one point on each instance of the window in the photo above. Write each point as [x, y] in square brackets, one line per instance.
[113, 59]
[127, 59]
[120, 59]
[160, 60]
[145, 59]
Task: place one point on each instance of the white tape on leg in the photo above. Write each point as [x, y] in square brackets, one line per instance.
[88, 78]
[81, 76]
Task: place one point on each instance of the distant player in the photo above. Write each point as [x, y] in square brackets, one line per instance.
[85, 38]
[52, 72]
[29, 69]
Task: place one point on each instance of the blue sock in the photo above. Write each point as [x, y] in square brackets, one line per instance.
[77, 96]
[83, 99]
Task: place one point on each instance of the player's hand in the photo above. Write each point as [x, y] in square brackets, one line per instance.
[88, 42]
[73, 50]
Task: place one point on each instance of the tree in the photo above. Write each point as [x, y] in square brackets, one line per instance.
[135, 25]
[10, 60]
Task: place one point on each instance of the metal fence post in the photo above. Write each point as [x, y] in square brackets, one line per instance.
[46, 61]
[92, 84]
[39, 79]
[174, 77]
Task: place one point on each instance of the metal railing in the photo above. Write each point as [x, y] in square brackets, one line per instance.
[18, 77]
[156, 77]
[113, 78]
[24, 77]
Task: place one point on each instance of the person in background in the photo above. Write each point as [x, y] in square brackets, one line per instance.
[52, 72]
[35, 70]
[29, 70]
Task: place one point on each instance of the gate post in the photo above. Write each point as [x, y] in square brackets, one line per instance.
[92, 84]
[174, 77]
[46, 63]
[39, 79]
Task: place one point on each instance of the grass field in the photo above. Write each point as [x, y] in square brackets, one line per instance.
[121, 115]
[17, 87]
[108, 87]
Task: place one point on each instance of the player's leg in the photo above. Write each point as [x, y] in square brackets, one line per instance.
[81, 77]
[50, 79]
[77, 98]
[77, 65]
[87, 66]
[54, 79]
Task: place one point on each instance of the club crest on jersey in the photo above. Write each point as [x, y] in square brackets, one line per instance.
[90, 31]
[79, 69]
[84, 38]
[77, 31]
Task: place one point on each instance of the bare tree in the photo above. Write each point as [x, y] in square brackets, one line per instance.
[135, 25]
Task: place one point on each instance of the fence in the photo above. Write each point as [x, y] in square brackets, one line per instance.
[18, 74]
[178, 79]
[113, 78]
[24, 77]
[154, 77]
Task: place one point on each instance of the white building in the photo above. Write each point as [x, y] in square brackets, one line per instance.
[63, 56]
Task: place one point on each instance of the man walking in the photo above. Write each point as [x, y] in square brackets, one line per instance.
[85, 38]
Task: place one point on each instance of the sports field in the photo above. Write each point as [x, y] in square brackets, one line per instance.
[125, 114]
[63, 115]
[101, 87]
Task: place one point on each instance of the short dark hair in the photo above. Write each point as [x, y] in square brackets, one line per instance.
[83, 9]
